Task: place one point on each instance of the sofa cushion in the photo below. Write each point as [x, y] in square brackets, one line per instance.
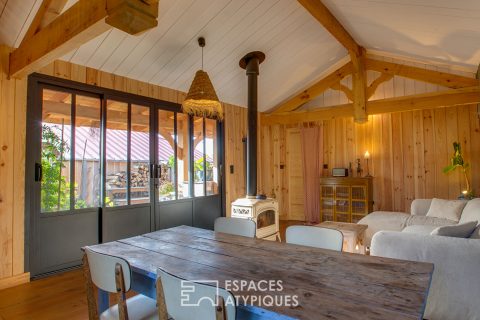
[461, 230]
[383, 220]
[447, 209]
[471, 212]
[476, 233]
[420, 207]
[420, 229]
[428, 221]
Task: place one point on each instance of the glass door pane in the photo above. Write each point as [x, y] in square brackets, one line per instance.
[140, 155]
[56, 146]
[211, 155]
[87, 152]
[165, 174]
[116, 154]
[199, 161]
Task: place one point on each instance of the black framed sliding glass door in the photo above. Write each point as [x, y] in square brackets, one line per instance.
[104, 165]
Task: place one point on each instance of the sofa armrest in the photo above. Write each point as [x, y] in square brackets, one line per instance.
[455, 286]
[420, 207]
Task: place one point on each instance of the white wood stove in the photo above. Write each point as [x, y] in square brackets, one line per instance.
[264, 212]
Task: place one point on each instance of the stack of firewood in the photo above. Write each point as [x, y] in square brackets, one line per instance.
[139, 178]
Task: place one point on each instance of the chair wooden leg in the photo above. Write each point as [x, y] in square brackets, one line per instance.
[92, 303]
[161, 305]
[121, 299]
[220, 312]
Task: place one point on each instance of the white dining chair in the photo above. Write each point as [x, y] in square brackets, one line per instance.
[180, 299]
[235, 226]
[315, 237]
[113, 275]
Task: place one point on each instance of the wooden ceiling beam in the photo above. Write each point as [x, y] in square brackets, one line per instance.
[323, 15]
[315, 90]
[47, 12]
[448, 80]
[82, 22]
[446, 98]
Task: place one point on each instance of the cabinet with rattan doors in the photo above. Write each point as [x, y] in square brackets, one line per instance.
[345, 199]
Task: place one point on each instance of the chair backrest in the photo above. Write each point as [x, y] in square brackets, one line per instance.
[236, 226]
[102, 270]
[315, 237]
[185, 300]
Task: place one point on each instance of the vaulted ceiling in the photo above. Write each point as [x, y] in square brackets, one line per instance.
[298, 49]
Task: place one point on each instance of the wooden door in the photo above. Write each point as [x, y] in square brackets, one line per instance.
[294, 174]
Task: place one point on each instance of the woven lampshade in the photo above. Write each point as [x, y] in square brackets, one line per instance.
[202, 99]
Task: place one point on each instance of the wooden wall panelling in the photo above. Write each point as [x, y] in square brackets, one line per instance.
[474, 117]
[19, 149]
[429, 153]
[7, 127]
[408, 152]
[398, 178]
[378, 161]
[452, 136]
[235, 130]
[418, 154]
[464, 130]
[440, 121]
[387, 165]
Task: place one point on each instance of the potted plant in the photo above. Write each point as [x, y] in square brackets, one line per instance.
[457, 161]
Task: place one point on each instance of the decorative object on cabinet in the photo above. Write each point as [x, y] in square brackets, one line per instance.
[345, 199]
[367, 157]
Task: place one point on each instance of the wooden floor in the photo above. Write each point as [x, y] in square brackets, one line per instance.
[60, 296]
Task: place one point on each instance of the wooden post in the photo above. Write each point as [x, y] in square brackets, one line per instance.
[359, 81]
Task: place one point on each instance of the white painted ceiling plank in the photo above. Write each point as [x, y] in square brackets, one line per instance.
[183, 33]
[14, 16]
[215, 49]
[153, 37]
[229, 50]
[216, 34]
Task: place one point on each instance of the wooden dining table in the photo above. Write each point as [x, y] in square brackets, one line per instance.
[326, 284]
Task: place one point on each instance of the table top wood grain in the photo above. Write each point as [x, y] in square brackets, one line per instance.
[328, 284]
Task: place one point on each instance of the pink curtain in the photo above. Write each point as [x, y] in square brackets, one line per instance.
[312, 156]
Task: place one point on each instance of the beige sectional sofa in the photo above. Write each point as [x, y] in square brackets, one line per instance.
[455, 288]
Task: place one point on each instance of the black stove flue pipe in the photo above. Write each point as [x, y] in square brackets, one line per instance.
[250, 63]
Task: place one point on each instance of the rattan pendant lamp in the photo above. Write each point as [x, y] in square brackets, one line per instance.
[202, 99]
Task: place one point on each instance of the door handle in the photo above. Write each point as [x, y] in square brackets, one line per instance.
[158, 172]
[152, 171]
[38, 172]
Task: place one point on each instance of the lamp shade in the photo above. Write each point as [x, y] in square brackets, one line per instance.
[201, 99]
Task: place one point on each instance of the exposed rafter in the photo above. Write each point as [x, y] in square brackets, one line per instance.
[320, 12]
[341, 87]
[446, 98]
[436, 77]
[374, 85]
[323, 15]
[82, 22]
[315, 90]
[47, 12]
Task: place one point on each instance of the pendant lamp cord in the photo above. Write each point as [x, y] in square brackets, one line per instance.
[202, 58]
